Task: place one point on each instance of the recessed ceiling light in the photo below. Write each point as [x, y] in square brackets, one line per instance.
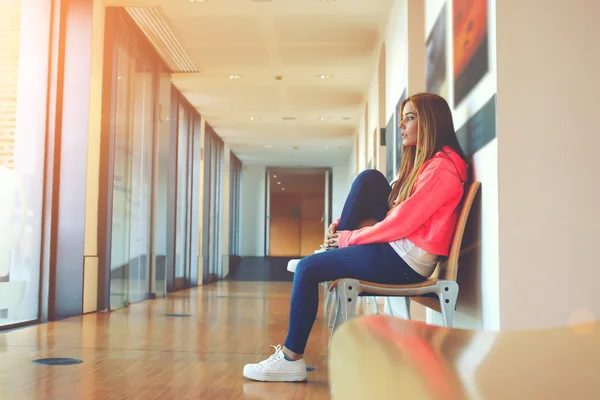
[201, 1]
[282, 188]
[254, 118]
[274, 176]
[325, 76]
[234, 76]
[279, 183]
[328, 1]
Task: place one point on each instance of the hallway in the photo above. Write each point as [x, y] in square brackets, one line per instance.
[140, 353]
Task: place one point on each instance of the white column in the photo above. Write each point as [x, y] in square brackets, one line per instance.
[549, 200]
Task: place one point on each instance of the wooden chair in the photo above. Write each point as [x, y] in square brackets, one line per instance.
[438, 292]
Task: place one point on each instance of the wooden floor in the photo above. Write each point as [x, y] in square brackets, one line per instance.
[139, 353]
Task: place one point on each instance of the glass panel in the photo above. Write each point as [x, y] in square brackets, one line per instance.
[23, 59]
[234, 214]
[219, 209]
[161, 226]
[132, 181]
[122, 182]
[194, 204]
[214, 217]
[182, 198]
[215, 208]
[206, 219]
[141, 184]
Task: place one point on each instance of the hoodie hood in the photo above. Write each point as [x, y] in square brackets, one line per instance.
[450, 160]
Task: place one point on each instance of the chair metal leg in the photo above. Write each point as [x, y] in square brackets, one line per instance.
[327, 297]
[347, 294]
[448, 296]
[375, 305]
[333, 307]
[407, 301]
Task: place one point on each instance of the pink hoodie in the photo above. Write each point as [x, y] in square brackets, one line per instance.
[428, 217]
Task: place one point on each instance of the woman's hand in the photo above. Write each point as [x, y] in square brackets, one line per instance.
[333, 241]
[331, 231]
[330, 235]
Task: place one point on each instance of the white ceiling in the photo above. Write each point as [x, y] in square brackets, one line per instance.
[297, 39]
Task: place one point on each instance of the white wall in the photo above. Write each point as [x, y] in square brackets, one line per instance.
[362, 143]
[478, 303]
[396, 39]
[252, 241]
[549, 202]
[340, 187]
[372, 147]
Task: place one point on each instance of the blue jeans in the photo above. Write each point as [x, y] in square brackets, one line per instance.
[378, 262]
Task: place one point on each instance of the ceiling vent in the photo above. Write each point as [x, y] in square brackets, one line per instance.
[153, 22]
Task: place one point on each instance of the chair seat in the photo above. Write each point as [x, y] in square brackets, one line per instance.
[429, 300]
[424, 284]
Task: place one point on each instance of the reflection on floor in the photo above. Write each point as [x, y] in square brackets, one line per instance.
[139, 353]
[265, 269]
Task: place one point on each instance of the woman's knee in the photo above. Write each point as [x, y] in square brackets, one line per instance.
[303, 264]
[370, 176]
[306, 268]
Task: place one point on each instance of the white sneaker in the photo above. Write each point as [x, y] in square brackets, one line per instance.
[277, 369]
[292, 264]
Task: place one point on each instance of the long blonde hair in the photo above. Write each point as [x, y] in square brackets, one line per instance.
[435, 130]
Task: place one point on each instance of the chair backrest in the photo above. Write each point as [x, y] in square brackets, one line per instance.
[447, 268]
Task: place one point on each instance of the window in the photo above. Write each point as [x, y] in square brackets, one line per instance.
[234, 206]
[24, 44]
[136, 82]
[213, 206]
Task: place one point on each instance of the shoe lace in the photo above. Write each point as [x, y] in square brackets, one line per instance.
[274, 357]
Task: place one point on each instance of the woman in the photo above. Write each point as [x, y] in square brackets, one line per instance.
[413, 225]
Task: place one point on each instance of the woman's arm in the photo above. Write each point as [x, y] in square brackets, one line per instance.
[431, 192]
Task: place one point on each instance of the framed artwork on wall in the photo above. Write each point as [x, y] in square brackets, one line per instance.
[435, 66]
[480, 129]
[471, 49]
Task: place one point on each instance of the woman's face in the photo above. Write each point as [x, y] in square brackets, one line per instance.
[409, 125]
